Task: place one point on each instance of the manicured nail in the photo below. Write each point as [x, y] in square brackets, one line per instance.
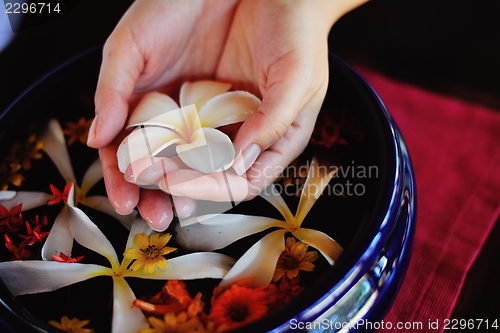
[247, 159]
[92, 130]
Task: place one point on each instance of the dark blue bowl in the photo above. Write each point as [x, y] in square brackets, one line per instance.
[376, 230]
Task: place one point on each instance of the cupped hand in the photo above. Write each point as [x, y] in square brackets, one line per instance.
[275, 49]
[156, 45]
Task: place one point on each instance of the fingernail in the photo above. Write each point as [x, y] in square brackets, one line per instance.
[247, 159]
[159, 223]
[183, 207]
[92, 130]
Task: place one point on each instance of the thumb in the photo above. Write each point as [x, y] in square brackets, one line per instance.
[282, 101]
[121, 67]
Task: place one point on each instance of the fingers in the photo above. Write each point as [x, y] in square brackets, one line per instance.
[218, 186]
[273, 161]
[293, 92]
[121, 67]
[123, 195]
[155, 208]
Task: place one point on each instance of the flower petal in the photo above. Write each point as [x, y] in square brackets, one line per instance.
[86, 233]
[145, 142]
[317, 178]
[126, 317]
[210, 150]
[229, 108]
[55, 147]
[7, 195]
[191, 266]
[92, 176]
[36, 276]
[101, 203]
[152, 105]
[200, 92]
[28, 199]
[212, 232]
[259, 262]
[273, 196]
[60, 238]
[328, 247]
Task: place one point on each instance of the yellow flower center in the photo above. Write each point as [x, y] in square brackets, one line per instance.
[151, 252]
[290, 262]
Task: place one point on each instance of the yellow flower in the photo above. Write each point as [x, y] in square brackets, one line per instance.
[150, 252]
[22, 154]
[294, 258]
[71, 325]
[173, 323]
[78, 131]
[10, 174]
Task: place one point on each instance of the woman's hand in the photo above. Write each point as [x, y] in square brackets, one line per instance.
[275, 49]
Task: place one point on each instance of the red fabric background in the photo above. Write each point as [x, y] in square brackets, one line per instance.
[455, 151]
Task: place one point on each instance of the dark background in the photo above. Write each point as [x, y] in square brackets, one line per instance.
[449, 46]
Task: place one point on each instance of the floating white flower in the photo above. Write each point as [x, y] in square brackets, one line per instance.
[163, 129]
[36, 276]
[60, 238]
[211, 232]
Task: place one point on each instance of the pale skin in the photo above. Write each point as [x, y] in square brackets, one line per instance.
[276, 49]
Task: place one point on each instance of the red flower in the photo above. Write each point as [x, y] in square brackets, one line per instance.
[240, 305]
[64, 258]
[289, 288]
[34, 235]
[19, 253]
[10, 221]
[58, 196]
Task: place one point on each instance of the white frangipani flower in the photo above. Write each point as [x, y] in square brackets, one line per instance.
[60, 238]
[36, 276]
[211, 232]
[163, 129]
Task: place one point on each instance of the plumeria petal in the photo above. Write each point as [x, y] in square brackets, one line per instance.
[34, 276]
[191, 266]
[151, 106]
[7, 195]
[145, 142]
[126, 317]
[55, 147]
[101, 203]
[28, 199]
[272, 195]
[229, 108]
[86, 233]
[259, 262]
[328, 247]
[212, 232]
[92, 176]
[210, 150]
[60, 238]
[317, 179]
[200, 92]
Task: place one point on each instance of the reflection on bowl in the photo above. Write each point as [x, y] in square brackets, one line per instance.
[369, 208]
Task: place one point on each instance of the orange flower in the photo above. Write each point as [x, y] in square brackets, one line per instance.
[173, 298]
[239, 305]
[294, 258]
[289, 289]
[173, 323]
[71, 325]
[78, 131]
[22, 154]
